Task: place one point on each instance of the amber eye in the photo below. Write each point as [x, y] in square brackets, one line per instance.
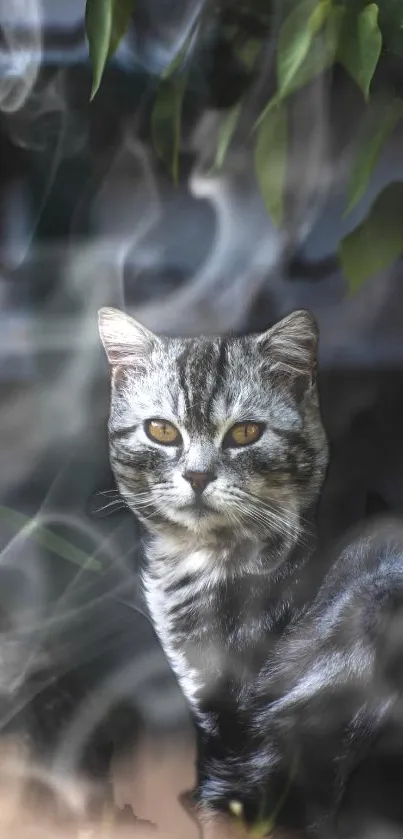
[162, 432]
[243, 434]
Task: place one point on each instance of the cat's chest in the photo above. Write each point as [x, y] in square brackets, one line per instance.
[215, 627]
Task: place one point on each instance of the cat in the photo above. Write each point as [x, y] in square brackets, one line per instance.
[218, 447]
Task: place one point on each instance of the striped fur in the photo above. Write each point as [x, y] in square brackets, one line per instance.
[217, 580]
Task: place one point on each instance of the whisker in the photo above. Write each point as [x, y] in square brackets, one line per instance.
[113, 505]
[109, 493]
[262, 513]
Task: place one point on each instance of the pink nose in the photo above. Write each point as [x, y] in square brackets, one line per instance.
[199, 480]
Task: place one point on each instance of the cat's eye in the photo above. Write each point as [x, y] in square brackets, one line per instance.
[162, 431]
[243, 434]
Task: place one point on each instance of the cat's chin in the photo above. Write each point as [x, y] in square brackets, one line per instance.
[197, 519]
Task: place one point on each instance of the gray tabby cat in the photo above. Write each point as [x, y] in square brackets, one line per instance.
[217, 445]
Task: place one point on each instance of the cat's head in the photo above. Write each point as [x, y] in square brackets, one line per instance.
[216, 434]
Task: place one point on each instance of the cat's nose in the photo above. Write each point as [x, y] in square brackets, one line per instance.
[199, 480]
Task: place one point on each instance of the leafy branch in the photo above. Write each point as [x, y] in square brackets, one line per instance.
[106, 21]
[314, 36]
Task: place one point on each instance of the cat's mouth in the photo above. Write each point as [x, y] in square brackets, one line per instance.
[198, 506]
[197, 513]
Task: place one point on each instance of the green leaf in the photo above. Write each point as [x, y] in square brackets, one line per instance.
[377, 242]
[294, 40]
[369, 152]
[323, 49]
[225, 134]
[360, 46]
[298, 31]
[166, 123]
[370, 44]
[270, 161]
[47, 539]
[106, 21]
[320, 56]
[167, 111]
[319, 15]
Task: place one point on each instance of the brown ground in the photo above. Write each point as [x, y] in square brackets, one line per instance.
[35, 805]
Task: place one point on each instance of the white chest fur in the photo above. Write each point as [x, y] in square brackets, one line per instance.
[165, 594]
[182, 584]
[160, 606]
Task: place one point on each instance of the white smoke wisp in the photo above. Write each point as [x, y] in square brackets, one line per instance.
[164, 31]
[92, 275]
[131, 680]
[245, 251]
[59, 410]
[20, 55]
[43, 125]
[46, 122]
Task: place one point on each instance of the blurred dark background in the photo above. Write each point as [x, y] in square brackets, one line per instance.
[89, 216]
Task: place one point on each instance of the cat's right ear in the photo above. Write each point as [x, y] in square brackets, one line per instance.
[127, 343]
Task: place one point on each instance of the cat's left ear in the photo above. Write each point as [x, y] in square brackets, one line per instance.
[127, 343]
[290, 347]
